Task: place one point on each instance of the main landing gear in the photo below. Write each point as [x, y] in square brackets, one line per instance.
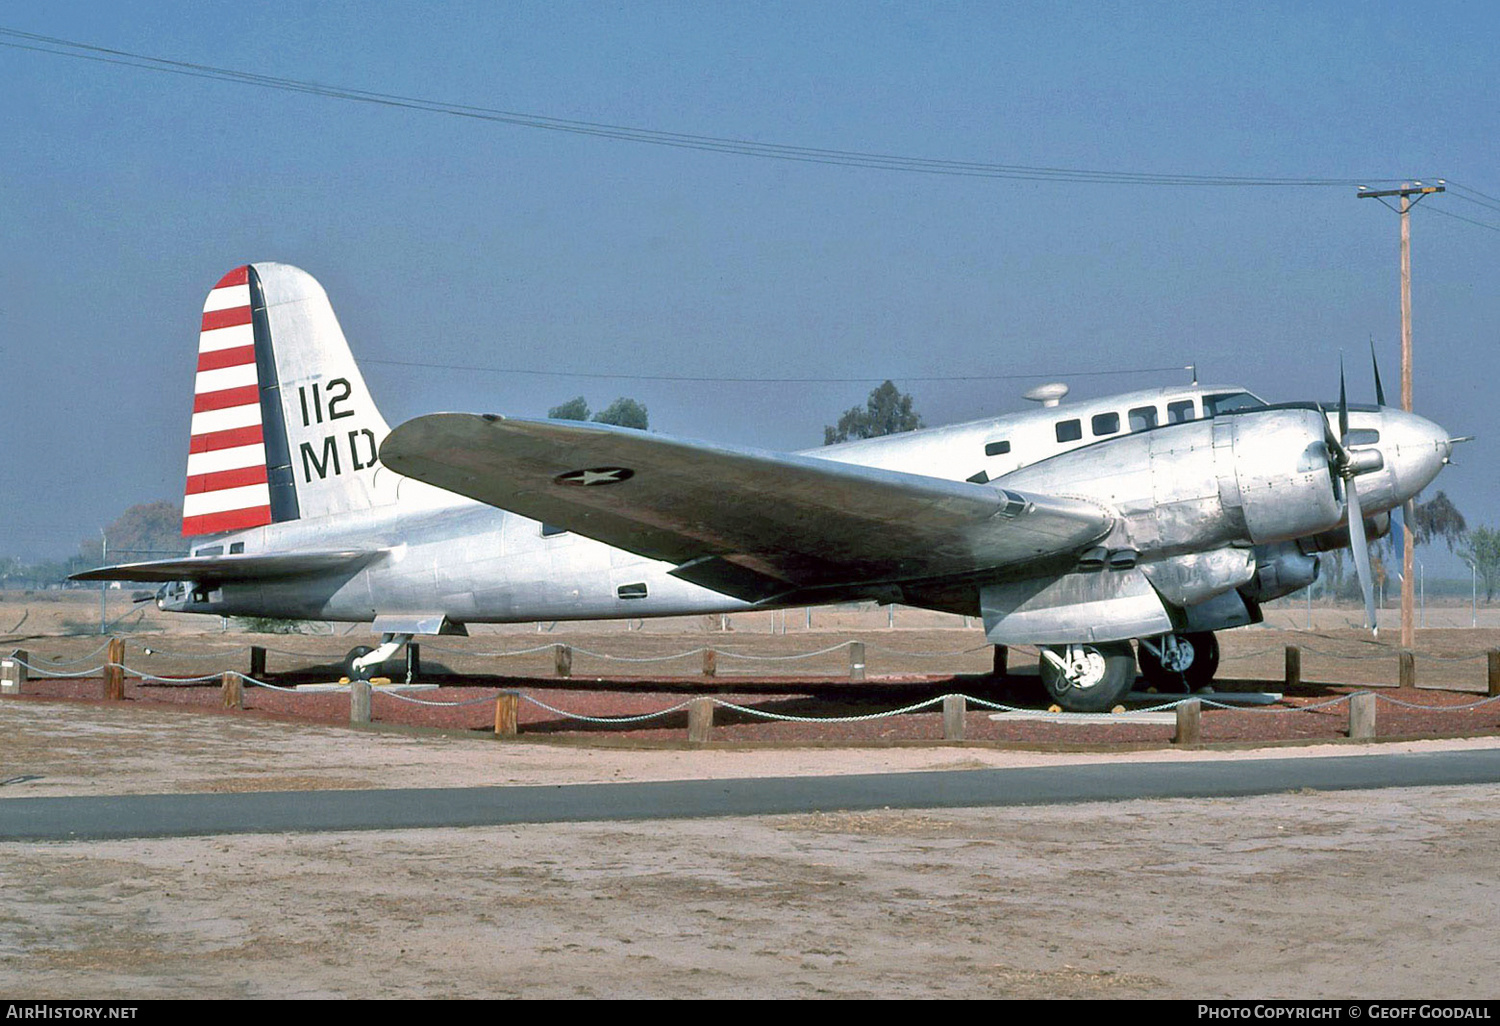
[1095, 677]
[1088, 678]
[1180, 662]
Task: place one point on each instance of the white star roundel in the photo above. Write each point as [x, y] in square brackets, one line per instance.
[594, 476]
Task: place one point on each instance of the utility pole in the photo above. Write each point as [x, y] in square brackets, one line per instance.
[1408, 537]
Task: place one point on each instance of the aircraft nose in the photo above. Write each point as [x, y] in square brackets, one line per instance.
[1415, 449]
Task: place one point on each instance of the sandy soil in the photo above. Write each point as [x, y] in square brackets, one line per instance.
[1310, 894]
[1345, 895]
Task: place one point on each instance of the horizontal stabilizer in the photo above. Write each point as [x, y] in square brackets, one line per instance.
[231, 568]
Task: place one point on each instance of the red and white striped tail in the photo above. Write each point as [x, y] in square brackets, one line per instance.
[226, 471]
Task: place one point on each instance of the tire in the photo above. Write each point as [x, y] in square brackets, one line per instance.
[355, 653]
[1102, 675]
[1200, 649]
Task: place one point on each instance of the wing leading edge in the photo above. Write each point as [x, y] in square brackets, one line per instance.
[749, 523]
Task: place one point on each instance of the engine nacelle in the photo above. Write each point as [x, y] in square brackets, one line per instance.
[1259, 476]
[1282, 484]
[1377, 526]
[1280, 570]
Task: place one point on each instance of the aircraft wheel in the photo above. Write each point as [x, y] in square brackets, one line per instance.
[1188, 662]
[1091, 678]
[355, 653]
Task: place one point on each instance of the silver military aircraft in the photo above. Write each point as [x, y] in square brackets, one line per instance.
[1158, 516]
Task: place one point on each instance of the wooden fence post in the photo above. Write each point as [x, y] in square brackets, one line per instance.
[359, 701]
[954, 708]
[710, 663]
[700, 720]
[562, 660]
[1408, 669]
[507, 710]
[234, 690]
[1293, 666]
[856, 660]
[114, 671]
[13, 672]
[257, 662]
[1362, 716]
[1494, 678]
[1189, 723]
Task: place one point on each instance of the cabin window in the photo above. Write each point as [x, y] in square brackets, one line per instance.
[552, 530]
[996, 448]
[211, 550]
[979, 478]
[1143, 418]
[235, 548]
[631, 591]
[1069, 430]
[1180, 412]
[1105, 424]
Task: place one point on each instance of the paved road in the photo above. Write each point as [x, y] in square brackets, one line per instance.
[183, 815]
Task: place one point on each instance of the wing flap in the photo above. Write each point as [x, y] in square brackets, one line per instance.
[737, 520]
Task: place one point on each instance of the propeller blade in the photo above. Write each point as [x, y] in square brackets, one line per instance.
[1379, 390]
[1343, 404]
[1361, 547]
[1336, 451]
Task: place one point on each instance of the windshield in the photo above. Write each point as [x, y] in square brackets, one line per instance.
[1228, 402]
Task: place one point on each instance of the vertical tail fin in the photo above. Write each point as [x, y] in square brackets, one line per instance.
[283, 425]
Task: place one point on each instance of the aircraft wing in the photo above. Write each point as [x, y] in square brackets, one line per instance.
[744, 522]
[204, 569]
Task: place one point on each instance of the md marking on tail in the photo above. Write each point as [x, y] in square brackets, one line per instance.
[1160, 516]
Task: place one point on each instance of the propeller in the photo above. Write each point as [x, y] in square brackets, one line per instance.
[1379, 391]
[1349, 465]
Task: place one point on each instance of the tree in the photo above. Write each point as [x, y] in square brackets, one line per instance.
[1438, 518]
[1482, 550]
[576, 408]
[887, 412]
[150, 530]
[623, 412]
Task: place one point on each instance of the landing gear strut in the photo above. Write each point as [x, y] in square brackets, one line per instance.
[1180, 662]
[1088, 678]
[361, 661]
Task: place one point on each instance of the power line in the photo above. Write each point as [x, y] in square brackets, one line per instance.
[767, 381]
[1476, 192]
[1460, 217]
[680, 140]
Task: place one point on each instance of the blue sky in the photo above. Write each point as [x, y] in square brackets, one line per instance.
[445, 240]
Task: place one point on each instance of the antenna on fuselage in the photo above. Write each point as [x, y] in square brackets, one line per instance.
[1194, 368]
[1049, 394]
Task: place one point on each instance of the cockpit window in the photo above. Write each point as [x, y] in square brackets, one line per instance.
[1180, 412]
[1228, 402]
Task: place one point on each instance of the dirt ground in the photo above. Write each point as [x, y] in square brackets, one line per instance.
[1356, 895]
[1377, 894]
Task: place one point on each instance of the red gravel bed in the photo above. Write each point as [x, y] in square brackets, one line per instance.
[1440, 713]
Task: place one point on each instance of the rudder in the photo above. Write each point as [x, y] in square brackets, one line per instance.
[283, 424]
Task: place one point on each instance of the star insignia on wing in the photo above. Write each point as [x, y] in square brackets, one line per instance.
[594, 476]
